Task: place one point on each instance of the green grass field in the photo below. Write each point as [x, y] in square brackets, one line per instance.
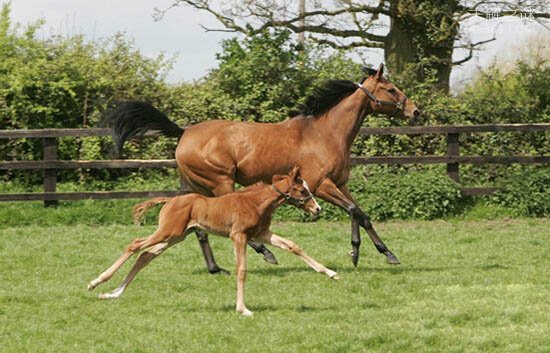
[463, 286]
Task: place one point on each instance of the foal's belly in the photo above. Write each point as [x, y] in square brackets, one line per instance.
[207, 228]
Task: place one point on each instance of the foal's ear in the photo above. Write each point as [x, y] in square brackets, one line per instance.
[277, 178]
[295, 173]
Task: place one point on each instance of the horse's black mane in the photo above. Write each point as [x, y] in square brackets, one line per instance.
[324, 97]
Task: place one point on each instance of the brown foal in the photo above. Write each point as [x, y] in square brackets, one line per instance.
[214, 155]
[241, 216]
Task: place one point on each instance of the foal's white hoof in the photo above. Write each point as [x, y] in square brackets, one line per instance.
[91, 285]
[112, 295]
[246, 313]
[333, 275]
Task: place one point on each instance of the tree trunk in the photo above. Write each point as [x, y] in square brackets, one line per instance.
[420, 42]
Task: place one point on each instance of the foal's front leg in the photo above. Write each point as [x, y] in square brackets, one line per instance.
[239, 242]
[292, 247]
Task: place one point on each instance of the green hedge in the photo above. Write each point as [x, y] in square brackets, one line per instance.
[426, 194]
[526, 194]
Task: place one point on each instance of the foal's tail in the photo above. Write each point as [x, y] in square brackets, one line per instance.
[135, 119]
[140, 209]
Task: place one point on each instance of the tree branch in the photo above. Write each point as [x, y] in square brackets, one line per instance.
[347, 46]
[269, 22]
[472, 47]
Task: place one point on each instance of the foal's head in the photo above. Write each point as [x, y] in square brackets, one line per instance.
[390, 100]
[296, 191]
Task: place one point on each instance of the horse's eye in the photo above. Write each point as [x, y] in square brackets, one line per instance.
[392, 90]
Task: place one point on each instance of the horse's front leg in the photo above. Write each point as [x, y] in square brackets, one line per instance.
[328, 191]
[359, 218]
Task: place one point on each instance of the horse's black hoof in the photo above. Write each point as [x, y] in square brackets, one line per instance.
[219, 271]
[270, 258]
[392, 259]
[354, 257]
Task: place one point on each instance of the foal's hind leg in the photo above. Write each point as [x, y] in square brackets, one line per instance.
[143, 260]
[137, 245]
[292, 247]
[107, 274]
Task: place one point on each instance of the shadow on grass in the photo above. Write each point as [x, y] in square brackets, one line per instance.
[283, 271]
[263, 308]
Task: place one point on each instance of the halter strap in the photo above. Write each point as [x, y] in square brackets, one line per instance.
[399, 106]
[287, 197]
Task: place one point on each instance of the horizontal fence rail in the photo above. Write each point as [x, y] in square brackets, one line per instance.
[50, 163]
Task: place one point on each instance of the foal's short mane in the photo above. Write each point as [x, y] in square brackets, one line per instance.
[252, 187]
[324, 97]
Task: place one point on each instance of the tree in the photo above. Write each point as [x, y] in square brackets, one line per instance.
[415, 35]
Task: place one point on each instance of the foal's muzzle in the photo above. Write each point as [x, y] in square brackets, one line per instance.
[313, 208]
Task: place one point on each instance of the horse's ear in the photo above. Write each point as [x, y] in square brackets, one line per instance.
[380, 71]
[369, 71]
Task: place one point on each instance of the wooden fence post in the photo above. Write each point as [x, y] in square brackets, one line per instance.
[50, 175]
[453, 149]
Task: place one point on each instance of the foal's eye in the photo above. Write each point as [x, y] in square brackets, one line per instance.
[392, 90]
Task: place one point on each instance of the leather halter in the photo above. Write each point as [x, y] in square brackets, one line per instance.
[300, 201]
[399, 106]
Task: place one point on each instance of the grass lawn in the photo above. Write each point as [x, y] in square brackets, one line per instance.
[463, 286]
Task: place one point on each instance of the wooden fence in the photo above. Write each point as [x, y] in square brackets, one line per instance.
[50, 163]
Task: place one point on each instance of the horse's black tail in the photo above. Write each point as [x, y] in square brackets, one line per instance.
[135, 119]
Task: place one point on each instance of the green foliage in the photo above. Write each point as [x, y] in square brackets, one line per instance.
[527, 194]
[261, 75]
[260, 78]
[421, 195]
[494, 97]
[426, 194]
[68, 83]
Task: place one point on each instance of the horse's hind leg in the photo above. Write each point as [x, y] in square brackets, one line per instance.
[208, 254]
[292, 247]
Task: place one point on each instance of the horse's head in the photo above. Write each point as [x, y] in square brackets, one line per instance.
[295, 191]
[385, 97]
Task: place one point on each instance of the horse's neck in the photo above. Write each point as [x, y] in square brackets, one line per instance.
[344, 120]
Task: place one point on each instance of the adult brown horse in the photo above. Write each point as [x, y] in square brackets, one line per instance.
[214, 155]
